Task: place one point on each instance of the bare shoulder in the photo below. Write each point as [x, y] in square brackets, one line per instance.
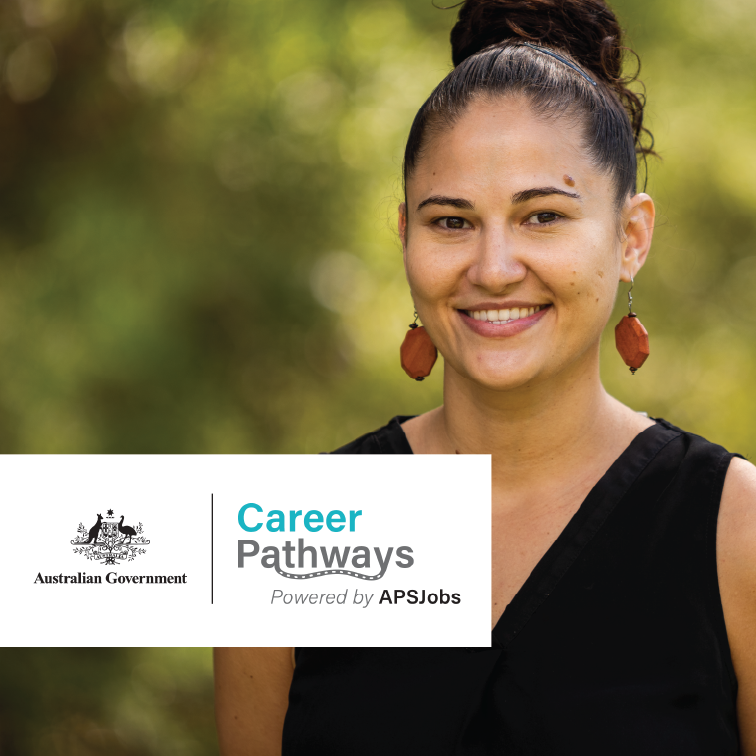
[737, 516]
[251, 698]
[736, 565]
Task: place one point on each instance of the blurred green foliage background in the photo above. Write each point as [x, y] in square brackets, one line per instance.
[197, 255]
[106, 701]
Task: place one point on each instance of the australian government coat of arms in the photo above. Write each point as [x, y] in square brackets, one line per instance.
[109, 541]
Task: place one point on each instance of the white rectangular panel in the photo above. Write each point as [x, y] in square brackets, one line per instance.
[258, 550]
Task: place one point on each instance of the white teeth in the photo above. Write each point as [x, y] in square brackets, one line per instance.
[498, 317]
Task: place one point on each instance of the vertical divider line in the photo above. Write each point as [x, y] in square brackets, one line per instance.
[212, 540]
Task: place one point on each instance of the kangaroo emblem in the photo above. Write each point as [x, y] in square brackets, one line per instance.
[94, 531]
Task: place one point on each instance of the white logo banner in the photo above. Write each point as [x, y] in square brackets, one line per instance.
[246, 550]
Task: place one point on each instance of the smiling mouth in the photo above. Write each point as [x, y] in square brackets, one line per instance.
[500, 317]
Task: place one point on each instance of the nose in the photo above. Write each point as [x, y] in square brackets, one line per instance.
[497, 264]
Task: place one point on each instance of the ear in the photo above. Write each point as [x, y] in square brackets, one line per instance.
[403, 227]
[638, 227]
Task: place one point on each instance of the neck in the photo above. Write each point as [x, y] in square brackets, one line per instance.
[542, 429]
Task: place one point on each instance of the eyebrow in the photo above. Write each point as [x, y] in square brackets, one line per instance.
[458, 202]
[545, 191]
[517, 199]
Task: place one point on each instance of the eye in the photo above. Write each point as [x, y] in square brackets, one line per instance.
[453, 222]
[542, 219]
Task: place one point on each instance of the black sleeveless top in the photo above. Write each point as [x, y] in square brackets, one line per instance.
[614, 646]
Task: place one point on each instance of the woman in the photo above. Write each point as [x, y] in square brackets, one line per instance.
[624, 549]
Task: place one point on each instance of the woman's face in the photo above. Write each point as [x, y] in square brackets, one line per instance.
[507, 218]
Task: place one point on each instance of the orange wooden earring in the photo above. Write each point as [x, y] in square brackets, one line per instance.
[631, 337]
[418, 354]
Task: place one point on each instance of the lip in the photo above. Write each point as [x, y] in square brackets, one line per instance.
[491, 330]
[508, 305]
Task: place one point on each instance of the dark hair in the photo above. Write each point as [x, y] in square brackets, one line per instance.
[490, 59]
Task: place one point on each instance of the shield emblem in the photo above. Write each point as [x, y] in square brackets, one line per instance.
[109, 533]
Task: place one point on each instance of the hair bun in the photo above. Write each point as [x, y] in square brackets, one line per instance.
[587, 30]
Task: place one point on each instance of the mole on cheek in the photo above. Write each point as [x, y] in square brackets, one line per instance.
[569, 180]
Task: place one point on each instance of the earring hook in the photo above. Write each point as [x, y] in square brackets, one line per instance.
[630, 299]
